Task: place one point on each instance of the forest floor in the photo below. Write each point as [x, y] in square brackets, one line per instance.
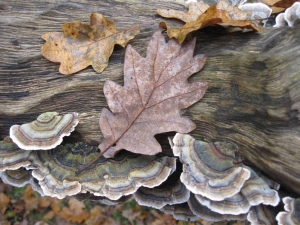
[23, 206]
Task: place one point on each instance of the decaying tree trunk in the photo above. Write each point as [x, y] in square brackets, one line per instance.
[253, 99]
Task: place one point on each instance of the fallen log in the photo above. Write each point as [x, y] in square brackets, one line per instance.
[253, 98]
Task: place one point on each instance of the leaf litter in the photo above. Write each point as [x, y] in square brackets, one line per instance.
[51, 211]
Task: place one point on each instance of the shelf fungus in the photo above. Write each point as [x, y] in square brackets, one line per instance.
[180, 212]
[207, 214]
[290, 16]
[111, 178]
[101, 199]
[170, 192]
[11, 156]
[254, 192]
[262, 215]
[258, 10]
[44, 133]
[213, 170]
[19, 178]
[291, 216]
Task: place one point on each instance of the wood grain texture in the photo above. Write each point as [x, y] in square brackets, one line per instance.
[253, 99]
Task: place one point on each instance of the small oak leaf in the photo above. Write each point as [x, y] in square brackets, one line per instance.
[222, 13]
[155, 90]
[81, 44]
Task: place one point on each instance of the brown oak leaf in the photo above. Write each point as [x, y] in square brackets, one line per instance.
[222, 13]
[81, 44]
[155, 90]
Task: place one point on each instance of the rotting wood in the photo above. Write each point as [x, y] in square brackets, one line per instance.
[253, 98]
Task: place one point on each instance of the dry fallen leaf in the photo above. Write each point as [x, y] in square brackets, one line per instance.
[222, 13]
[162, 219]
[4, 200]
[95, 217]
[81, 44]
[75, 212]
[155, 90]
[130, 214]
[31, 201]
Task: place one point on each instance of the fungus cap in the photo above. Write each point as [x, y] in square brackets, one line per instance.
[205, 213]
[170, 192]
[19, 178]
[291, 216]
[258, 10]
[45, 133]
[11, 156]
[111, 178]
[212, 170]
[255, 191]
[262, 215]
[180, 212]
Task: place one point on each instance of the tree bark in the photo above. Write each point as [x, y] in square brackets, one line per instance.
[253, 99]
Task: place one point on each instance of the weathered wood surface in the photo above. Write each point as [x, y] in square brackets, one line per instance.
[253, 98]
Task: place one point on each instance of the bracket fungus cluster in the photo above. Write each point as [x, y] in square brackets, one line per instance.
[221, 186]
[55, 171]
[209, 182]
[205, 171]
[111, 178]
[290, 16]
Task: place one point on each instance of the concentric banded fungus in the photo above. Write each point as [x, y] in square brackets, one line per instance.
[212, 170]
[11, 156]
[209, 215]
[180, 212]
[254, 192]
[292, 214]
[44, 133]
[290, 16]
[258, 10]
[272, 184]
[111, 178]
[170, 192]
[19, 178]
[261, 215]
